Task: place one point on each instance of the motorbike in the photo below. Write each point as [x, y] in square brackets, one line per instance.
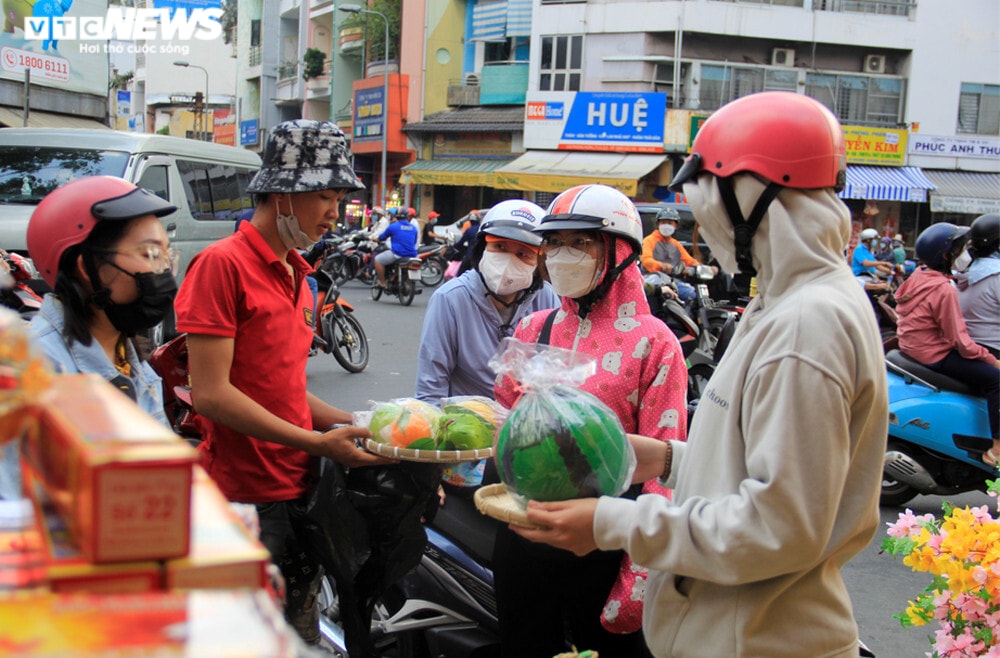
[349, 259]
[400, 280]
[336, 329]
[446, 606]
[170, 361]
[434, 263]
[938, 431]
[24, 289]
[884, 305]
[703, 327]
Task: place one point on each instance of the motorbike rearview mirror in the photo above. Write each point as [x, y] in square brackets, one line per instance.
[704, 272]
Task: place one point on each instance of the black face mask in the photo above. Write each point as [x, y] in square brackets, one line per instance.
[156, 296]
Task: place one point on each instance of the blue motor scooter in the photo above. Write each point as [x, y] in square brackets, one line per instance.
[938, 431]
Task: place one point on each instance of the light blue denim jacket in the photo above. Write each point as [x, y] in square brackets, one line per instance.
[47, 326]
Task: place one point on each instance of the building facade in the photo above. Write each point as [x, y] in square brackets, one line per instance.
[615, 91]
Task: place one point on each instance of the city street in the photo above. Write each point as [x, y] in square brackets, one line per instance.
[880, 585]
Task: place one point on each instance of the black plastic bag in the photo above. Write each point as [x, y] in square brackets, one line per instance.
[364, 525]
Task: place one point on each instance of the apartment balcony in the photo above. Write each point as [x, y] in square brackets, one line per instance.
[463, 93]
[288, 90]
[352, 41]
[289, 8]
[318, 89]
[254, 63]
[503, 83]
[498, 83]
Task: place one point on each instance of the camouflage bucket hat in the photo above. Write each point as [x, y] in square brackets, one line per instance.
[305, 156]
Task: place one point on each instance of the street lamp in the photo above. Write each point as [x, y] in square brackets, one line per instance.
[358, 9]
[204, 106]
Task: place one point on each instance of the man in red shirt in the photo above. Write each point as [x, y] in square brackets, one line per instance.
[248, 315]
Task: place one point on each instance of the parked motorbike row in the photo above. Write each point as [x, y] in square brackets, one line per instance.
[704, 326]
[350, 257]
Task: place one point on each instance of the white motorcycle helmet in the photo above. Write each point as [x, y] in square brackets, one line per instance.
[868, 235]
[595, 208]
[515, 220]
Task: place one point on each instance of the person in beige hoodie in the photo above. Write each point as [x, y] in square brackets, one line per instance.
[778, 484]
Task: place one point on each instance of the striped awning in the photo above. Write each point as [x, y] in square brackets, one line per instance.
[489, 21]
[496, 20]
[886, 184]
[519, 18]
[555, 171]
[456, 171]
[969, 192]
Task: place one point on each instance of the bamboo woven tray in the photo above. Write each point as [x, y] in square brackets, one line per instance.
[495, 501]
[434, 456]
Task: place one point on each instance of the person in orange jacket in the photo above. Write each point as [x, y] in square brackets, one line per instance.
[664, 257]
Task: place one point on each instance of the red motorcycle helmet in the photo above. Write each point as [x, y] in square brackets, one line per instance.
[67, 215]
[786, 138]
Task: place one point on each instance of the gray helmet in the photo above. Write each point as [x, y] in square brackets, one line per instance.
[668, 214]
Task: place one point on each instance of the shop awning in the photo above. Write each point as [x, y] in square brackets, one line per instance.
[555, 171]
[14, 119]
[970, 192]
[886, 184]
[464, 171]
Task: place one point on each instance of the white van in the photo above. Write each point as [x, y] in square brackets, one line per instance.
[207, 182]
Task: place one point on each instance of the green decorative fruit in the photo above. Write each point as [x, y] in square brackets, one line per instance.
[464, 430]
[561, 443]
[403, 423]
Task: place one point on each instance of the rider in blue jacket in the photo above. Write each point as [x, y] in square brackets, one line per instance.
[403, 236]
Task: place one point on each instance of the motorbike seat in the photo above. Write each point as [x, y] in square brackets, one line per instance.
[461, 522]
[933, 377]
[425, 248]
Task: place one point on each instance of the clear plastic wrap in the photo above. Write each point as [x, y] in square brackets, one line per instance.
[401, 422]
[468, 422]
[558, 442]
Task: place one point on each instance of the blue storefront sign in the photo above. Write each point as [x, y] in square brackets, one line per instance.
[618, 121]
[248, 132]
[369, 109]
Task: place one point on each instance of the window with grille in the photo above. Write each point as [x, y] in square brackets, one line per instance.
[979, 109]
[859, 100]
[721, 84]
[561, 66]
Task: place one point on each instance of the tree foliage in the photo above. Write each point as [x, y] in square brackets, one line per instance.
[374, 28]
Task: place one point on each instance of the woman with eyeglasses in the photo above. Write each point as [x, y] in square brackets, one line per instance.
[99, 244]
[591, 241]
[468, 316]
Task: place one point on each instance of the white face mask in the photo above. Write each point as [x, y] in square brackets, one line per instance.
[573, 273]
[666, 230]
[962, 261]
[505, 274]
[288, 229]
